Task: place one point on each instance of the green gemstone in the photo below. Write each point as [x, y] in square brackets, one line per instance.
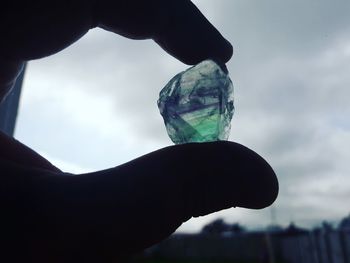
[197, 104]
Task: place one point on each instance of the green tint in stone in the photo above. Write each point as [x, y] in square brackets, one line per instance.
[197, 104]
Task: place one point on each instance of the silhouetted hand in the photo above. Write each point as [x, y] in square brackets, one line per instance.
[50, 216]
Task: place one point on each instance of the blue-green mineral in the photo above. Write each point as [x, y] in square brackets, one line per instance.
[197, 104]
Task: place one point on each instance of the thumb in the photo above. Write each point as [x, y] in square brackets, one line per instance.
[154, 194]
[111, 213]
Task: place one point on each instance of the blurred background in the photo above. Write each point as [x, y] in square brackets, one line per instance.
[93, 105]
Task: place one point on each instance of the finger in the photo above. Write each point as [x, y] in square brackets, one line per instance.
[177, 26]
[16, 152]
[106, 214]
[35, 29]
[190, 37]
[142, 202]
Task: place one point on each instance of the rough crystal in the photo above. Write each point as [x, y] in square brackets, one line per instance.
[197, 104]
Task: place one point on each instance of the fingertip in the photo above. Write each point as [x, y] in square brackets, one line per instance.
[261, 183]
[257, 181]
[266, 191]
[223, 174]
[242, 177]
[190, 37]
[273, 186]
[227, 52]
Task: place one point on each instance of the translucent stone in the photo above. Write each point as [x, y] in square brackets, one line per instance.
[197, 104]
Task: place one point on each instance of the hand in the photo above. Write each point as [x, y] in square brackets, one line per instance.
[50, 216]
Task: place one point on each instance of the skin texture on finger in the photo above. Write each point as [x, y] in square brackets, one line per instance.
[107, 214]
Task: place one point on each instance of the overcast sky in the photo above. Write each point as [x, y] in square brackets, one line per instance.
[93, 106]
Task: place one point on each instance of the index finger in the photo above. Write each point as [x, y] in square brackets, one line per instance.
[177, 26]
[190, 37]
